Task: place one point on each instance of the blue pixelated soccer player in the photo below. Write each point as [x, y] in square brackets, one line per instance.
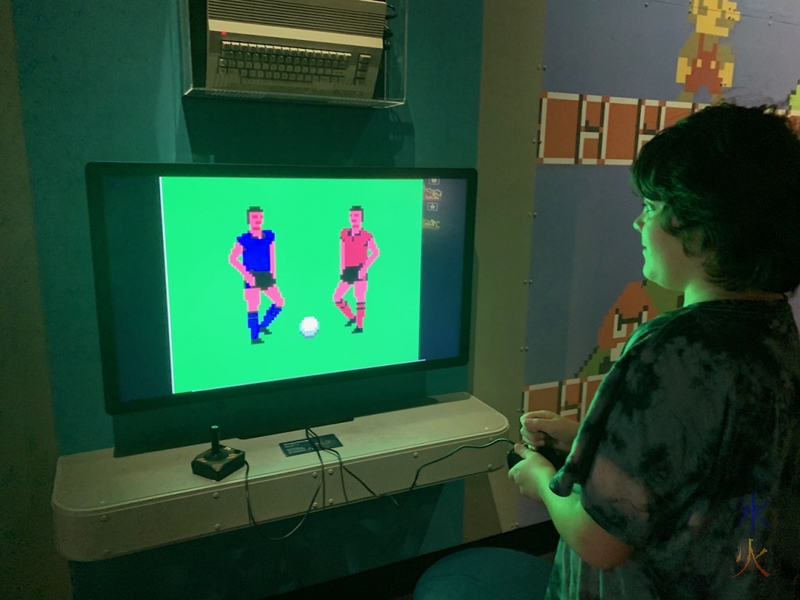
[253, 256]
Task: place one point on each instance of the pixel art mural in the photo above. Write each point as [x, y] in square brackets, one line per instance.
[616, 74]
[639, 302]
[704, 61]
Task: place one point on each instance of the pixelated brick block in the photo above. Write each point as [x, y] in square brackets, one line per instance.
[578, 129]
[573, 401]
[570, 398]
[570, 394]
[675, 111]
[650, 120]
[621, 130]
[592, 128]
[590, 151]
[558, 127]
[592, 114]
[542, 396]
[592, 384]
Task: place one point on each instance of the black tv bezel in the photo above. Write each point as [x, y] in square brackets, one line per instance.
[96, 171]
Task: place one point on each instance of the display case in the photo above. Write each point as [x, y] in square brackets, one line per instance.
[341, 52]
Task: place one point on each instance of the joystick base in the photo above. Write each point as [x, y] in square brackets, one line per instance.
[219, 465]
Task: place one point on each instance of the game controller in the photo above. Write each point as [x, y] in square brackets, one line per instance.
[218, 462]
[556, 457]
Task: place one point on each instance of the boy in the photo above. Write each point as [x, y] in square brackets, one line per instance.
[683, 480]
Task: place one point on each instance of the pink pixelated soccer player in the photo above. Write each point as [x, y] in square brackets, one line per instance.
[357, 252]
[256, 249]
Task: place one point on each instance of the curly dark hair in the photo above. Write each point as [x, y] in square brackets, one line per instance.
[730, 177]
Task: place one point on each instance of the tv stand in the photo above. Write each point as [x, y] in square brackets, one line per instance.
[106, 506]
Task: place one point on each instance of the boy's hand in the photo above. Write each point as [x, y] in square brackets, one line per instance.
[538, 425]
[531, 473]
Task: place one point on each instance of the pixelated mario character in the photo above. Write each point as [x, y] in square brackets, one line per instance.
[640, 302]
[357, 252]
[794, 99]
[253, 256]
[703, 60]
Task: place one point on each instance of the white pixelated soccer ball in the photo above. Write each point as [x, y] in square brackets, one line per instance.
[309, 327]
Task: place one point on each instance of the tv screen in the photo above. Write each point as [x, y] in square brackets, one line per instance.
[216, 280]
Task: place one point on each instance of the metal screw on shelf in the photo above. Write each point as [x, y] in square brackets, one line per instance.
[314, 474]
[216, 495]
[490, 467]
[330, 501]
[103, 519]
[106, 552]
[330, 471]
[216, 527]
[314, 505]
[416, 454]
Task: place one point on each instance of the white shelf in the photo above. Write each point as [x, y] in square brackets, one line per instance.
[105, 506]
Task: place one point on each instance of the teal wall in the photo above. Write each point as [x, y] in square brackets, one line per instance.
[100, 82]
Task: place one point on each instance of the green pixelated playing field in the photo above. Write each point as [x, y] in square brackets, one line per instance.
[209, 338]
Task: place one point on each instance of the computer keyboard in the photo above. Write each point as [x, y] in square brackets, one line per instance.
[286, 63]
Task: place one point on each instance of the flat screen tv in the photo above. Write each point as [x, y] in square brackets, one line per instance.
[225, 281]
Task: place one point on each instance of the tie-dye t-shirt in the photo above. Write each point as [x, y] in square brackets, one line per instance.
[689, 451]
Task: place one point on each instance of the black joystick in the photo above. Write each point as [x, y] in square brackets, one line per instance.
[219, 462]
[557, 457]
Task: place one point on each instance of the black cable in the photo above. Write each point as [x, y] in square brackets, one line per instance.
[252, 518]
[316, 444]
[448, 455]
[416, 477]
[366, 487]
[339, 456]
[349, 472]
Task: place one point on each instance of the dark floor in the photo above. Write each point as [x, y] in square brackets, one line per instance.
[549, 557]
[539, 540]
